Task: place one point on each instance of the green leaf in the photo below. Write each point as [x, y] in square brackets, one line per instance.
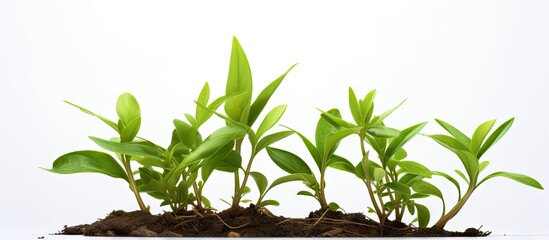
[332, 140]
[451, 179]
[448, 142]
[312, 149]
[415, 168]
[470, 163]
[209, 110]
[111, 124]
[269, 203]
[462, 175]
[237, 107]
[333, 206]
[378, 174]
[270, 120]
[215, 159]
[130, 130]
[228, 119]
[384, 115]
[186, 133]
[88, 161]
[400, 154]
[495, 136]
[308, 179]
[382, 131]
[215, 141]
[231, 163]
[335, 120]
[151, 162]
[521, 178]
[355, 107]
[480, 135]
[410, 179]
[306, 193]
[427, 188]
[203, 99]
[404, 136]
[270, 139]
[483, 165]
[263, 97]
[458, 135]
[423, 215]
[240, 75]
[323, 128]
[367, 106]
[341, 163]
[261, 182]
[399, 188]
[288, 161]
[127, 108]
[129, 148]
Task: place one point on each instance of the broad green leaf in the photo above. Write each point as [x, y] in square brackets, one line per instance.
[379, 119]
[211, 162]
[427, 188]
[400, 154]
[355, 107]
[458, 135]
[411, 208]
[88, 161]
[332, 140]
[451, 179]
[341, 163]
[495, 136]
[448, 142]
[231, 163]
[209, 110]
[129, 148]
[308, 179]
[127, 108]
[203, 99]
[228, 119]
[149, 161]
[470, 163]
[335, 120]
[382, 131]
[521, 178]
[323, 128]
[312, 149]
[288, 161]
[404, 136]
[270, 139]
[480, 135]
[306, 193]
[261, 181]
[423, 215]
[191, 119]
[215, 141]
[263, 97]
[186, 133]
[269, 203]
[129, 132]
[378, 144]
[240, 75]
[415, 168]
[410, 179]
[399, 188]
[367, 106]
[333, 206]
[111, 124]
[270, 120]
[379, 174]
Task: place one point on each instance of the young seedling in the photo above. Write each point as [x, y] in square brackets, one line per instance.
[124, 146]
[469, 151]
[389, 182]
[327, 139]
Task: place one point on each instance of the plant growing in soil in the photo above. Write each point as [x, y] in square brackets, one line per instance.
[127, 128]
[469, 151]
[388, 182]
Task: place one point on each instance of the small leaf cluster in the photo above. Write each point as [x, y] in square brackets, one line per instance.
[177, 174]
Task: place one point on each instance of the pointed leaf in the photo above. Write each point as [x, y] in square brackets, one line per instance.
[379, 119]
[423, 215]
[263, 97]
[288, 161]
[270, 139]
[111, 124]
[382, 131]
[308, 179]
[458, 135]
[332, 140]
[379, 174]
[341, 163]
[448, 142]
[483, 165]
[495, 136]
[415, 168]
[367, 106]
[129, 132]
[231, 163]
[306, 193]
[335, 121]
[427, 188]
[312, 149]
[186, 133]
[323, 128]
[88, 161]
[451, 179]
[270, 120]
[129, 148]
[355, 107]
[269, 203]
[480, 135]
[521, 178]
[404, 136]
[399, 188]
[261, 181]
[203, 99]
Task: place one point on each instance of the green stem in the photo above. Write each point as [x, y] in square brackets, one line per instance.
[245, 180]
[321, 194]
[237, 190]
[368, 182]
[454, 211]
[133, 186]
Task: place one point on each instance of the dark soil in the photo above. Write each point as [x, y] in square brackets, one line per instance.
[252, 222]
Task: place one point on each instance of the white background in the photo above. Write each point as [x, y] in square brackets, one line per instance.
[462, 61]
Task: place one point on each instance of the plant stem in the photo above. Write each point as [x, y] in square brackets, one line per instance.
[133, 186]
[367, 181]
[244, 181]
[237, 190]
[452, 213]
[321, 194]
[198, 195]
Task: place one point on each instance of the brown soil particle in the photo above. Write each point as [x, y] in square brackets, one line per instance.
[252, 222]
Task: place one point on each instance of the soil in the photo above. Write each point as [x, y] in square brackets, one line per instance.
[252, 222]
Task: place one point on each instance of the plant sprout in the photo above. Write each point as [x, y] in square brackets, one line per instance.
[469, 151]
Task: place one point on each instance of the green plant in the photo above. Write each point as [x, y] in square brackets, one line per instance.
[127, 127]
[388, 182]
[469, 151]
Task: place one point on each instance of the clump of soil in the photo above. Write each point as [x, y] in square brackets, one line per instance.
[252, 222]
